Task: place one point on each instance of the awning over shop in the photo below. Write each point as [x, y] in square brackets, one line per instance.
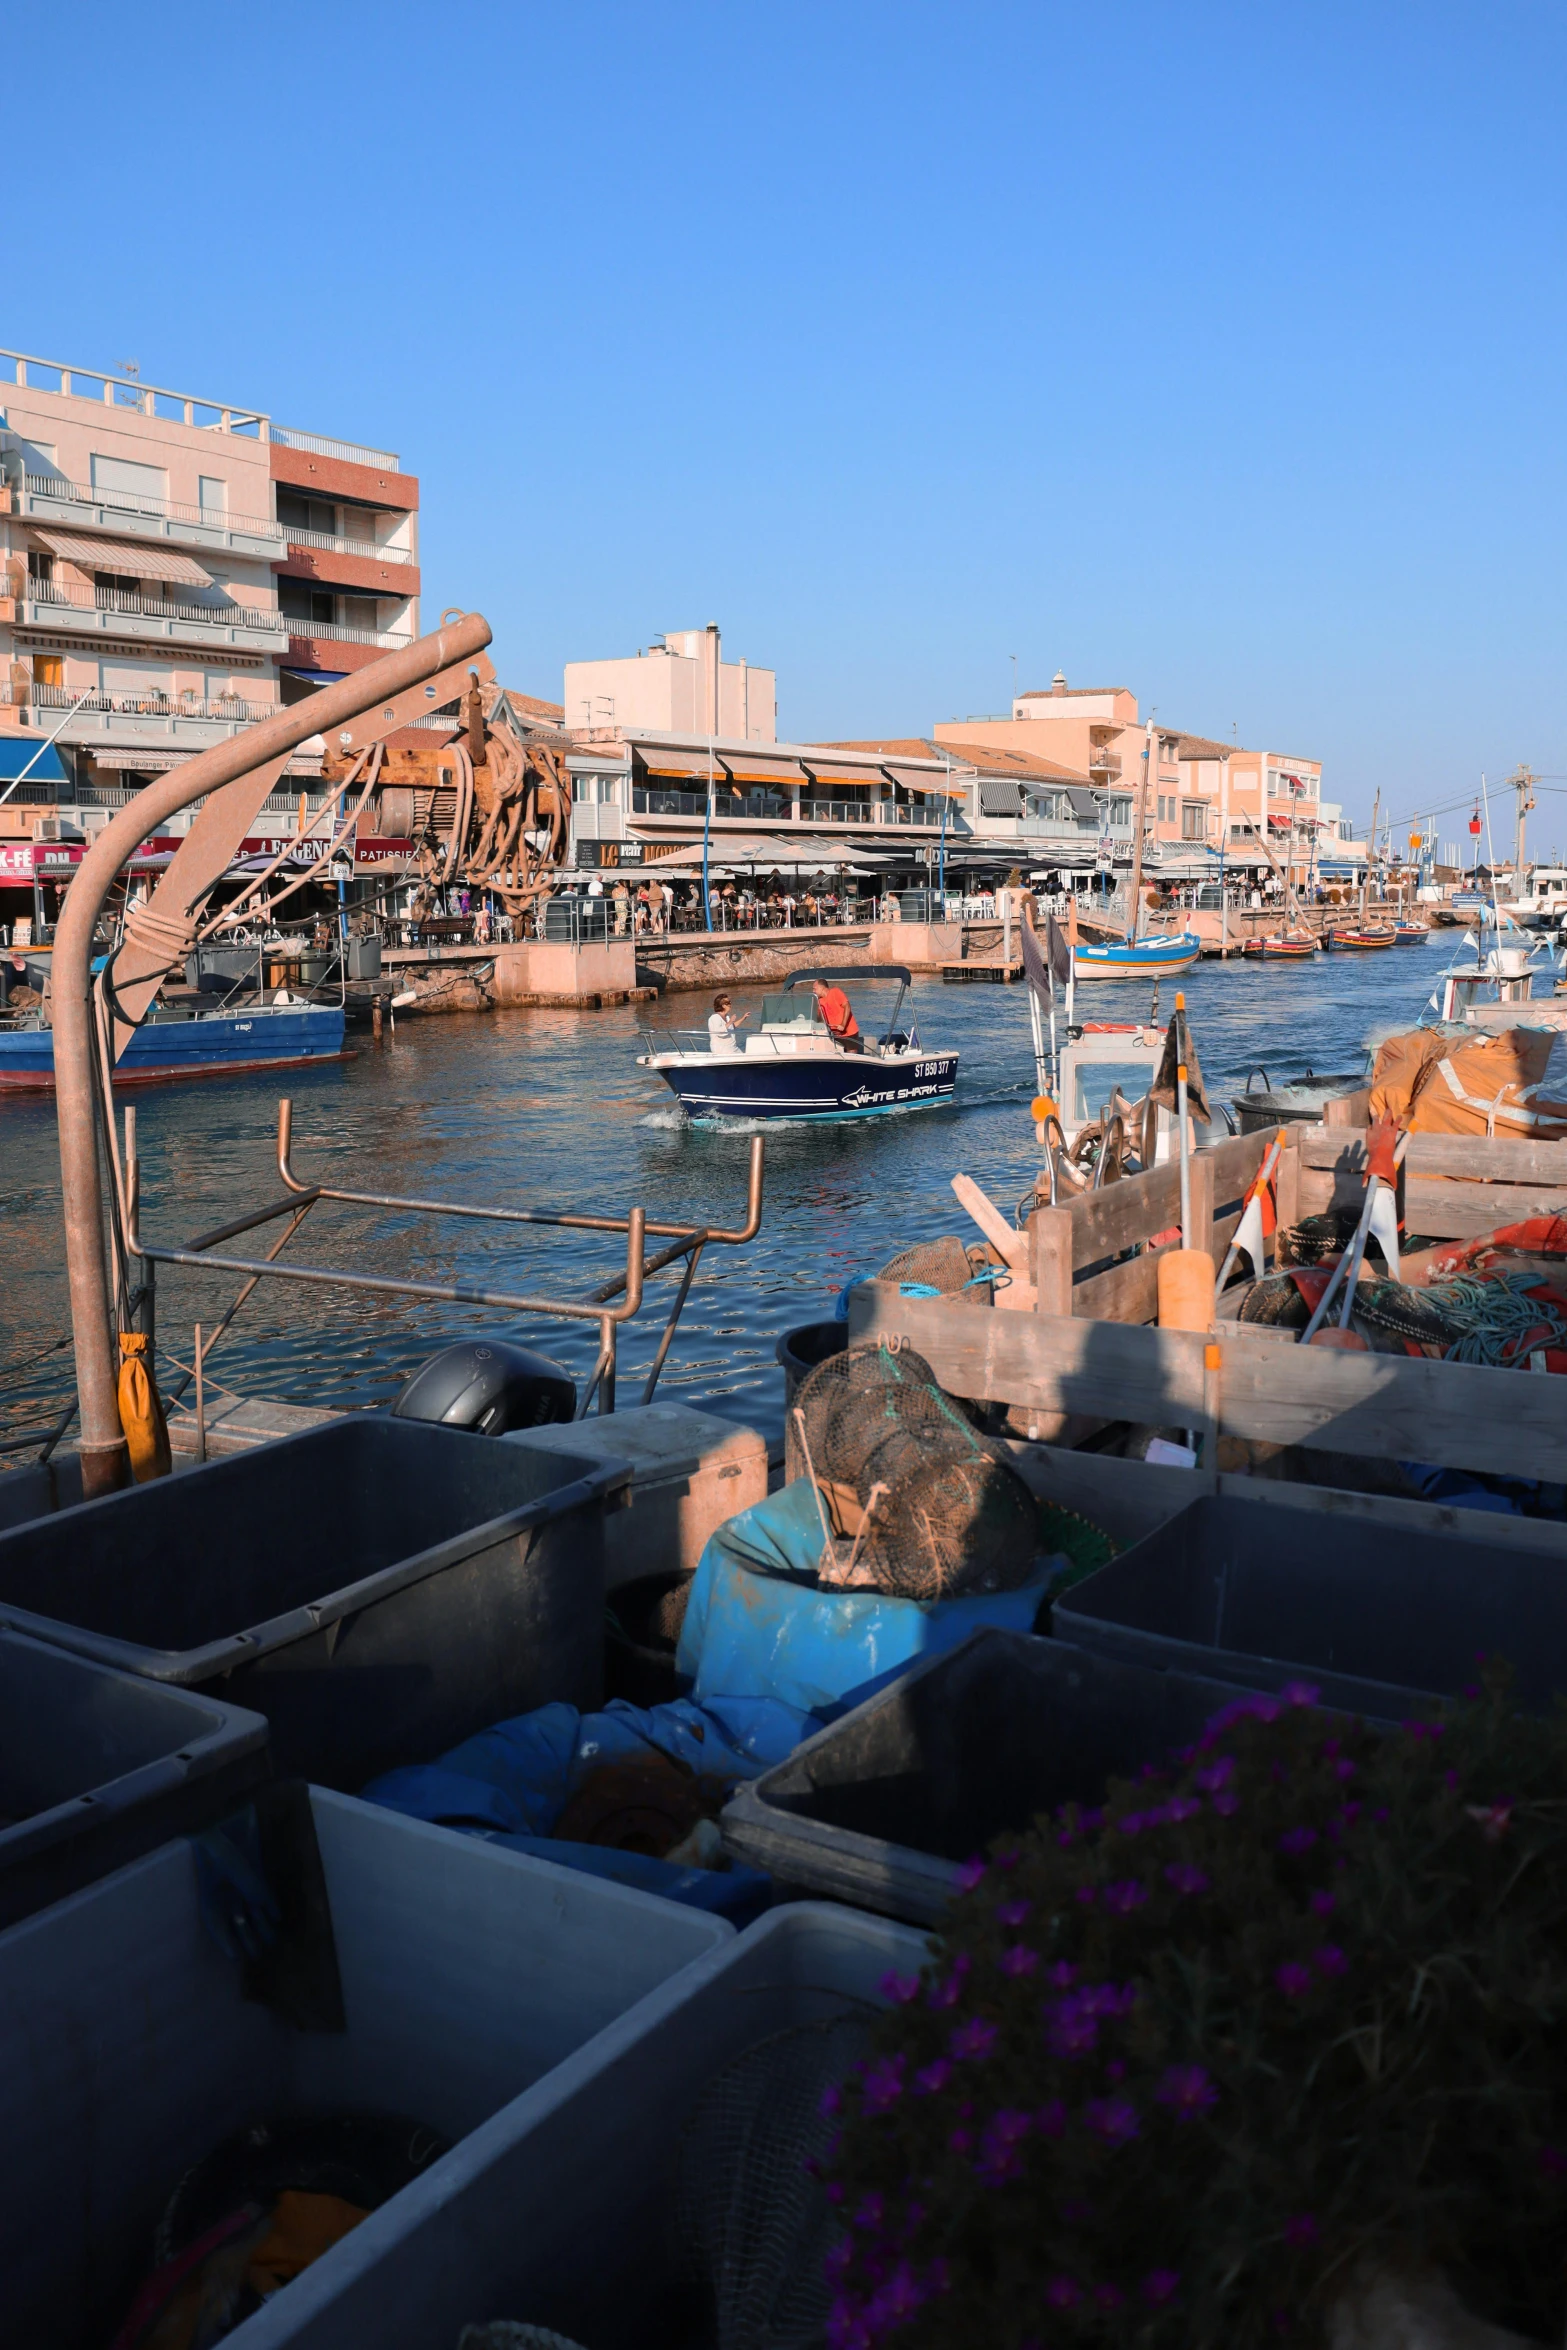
[998, 796]
[683, 766]
[1082, 802]
[928, 779]
[136, 556]
[838, 771]
[17, 751]
[749, 767]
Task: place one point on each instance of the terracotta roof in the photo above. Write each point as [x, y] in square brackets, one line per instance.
[1022, 764]
[1199, 746]
[533, 706]
[905, 746]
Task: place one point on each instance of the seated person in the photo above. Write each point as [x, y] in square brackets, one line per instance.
[836, 1010]
[721, 1026]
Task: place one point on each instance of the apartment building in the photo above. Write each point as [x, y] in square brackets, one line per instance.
[679, 684]
[175, 569]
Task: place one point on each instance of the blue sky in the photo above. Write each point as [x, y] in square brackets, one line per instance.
[1214, 351]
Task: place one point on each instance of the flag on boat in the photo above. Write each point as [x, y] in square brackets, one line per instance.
[1047, 966]
[1178, 1047]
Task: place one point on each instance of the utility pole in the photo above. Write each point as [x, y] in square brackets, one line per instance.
[1522, 780]
[1137, 835]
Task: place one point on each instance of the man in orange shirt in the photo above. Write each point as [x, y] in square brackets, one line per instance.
[838, 1012]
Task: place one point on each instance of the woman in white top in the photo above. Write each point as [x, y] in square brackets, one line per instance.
[721, 1026]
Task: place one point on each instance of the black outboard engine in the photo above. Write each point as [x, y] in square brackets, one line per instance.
[488, 1385]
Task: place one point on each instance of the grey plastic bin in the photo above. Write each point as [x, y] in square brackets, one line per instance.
[557, 2211]
[882, 1807]
[468, 1974]
[379, 1589]
[1375, 1617]
[97, 1767]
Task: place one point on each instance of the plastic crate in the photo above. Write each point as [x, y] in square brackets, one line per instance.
[97, 1767]
[468, 1975]
[380, 1589]
[882, 1807]
[558, 2210]
[1376, 1617]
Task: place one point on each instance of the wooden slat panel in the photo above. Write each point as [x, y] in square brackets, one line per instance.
[1506, 1422]
[1462, 1211]
[1470, 1157]
[1130, 1292]
[1124, 1214]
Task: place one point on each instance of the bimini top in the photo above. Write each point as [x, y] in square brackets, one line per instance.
[855, 971]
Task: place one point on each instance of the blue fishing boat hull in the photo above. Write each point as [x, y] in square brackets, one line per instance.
[1150, 958]
[281, 1036]
[814, 1086]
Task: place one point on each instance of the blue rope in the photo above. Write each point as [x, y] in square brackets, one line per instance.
[1494, 1315]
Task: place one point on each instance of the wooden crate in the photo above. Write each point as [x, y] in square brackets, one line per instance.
[1455, 1186]
[1075, 1247]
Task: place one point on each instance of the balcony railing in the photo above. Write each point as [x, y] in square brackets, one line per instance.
[340, 633]
[814, 811]
[98, 599]
[351, 451]
[233, 708]
[1104, 762]
[75, 493]
[910, 812]
[337, 544]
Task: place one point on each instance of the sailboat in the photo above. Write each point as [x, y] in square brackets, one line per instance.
[1159, 956]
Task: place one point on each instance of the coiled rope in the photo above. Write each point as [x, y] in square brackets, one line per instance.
[1495, 1316]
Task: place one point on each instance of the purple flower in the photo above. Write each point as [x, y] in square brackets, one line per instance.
[1006, 1860]
[1111, 2118]
[1185, 1878]
[871, 2213]
[1125, 1896]
[1187, 2091]
[1324, 1902]
[1087, 1895]
[1018, 1960]
[1072, 2029]
[1213, 1775]
[1242, 1709]
[1012, 1913]
[1161, 2285]
[883, 2085]
[1299, 1693]
[895, 2302]
[1344, 1768]
[839, 2261]
[1001, 2147]
[1329, 1959]
[1063, 2293]
[899, 1989]
[933, 2077]
[1063, 1974]
[846, 2328]
[1297, 1840]
[1418, 1730]
[1050, 2120]
[1293, 1979]
[1300, 2231]
[946, 1994]
[960, 2141]
[1227, 1804]
[970, 1874]
[832, 2099]
[976, 2038]
[1132, 1823]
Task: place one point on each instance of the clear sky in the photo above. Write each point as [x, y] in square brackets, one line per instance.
[1213, 351]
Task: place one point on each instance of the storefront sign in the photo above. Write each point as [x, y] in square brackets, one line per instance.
[607, 855]
[26, 861]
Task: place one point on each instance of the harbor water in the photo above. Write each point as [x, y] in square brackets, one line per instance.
[548, 1109]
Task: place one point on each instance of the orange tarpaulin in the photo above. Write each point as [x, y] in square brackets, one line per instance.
[1514, 1084]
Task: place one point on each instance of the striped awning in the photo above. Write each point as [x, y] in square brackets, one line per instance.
[928, 779]
[755, 767]
[133, 556]
[683, 766]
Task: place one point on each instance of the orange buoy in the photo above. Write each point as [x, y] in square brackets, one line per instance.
[1186, 1289]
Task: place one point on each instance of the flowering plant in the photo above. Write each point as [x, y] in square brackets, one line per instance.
[1185, 2068]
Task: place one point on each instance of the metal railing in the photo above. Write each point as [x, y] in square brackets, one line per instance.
[231, 707]
[353, 452]
[1104, 763]
[58, 597]
[686, 1240]
[75, 493]
[836, 811]
[341, 633]
[95, 383]
[335, 543]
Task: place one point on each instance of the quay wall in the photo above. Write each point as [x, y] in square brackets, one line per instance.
[700, 959]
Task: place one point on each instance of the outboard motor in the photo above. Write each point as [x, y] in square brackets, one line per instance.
[488, 1385]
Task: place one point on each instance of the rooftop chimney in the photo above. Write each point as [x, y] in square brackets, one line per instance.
[1058, 682]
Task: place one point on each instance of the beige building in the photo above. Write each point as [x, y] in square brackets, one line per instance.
[680, 685]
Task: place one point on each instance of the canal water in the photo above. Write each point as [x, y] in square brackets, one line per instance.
[548, 1109]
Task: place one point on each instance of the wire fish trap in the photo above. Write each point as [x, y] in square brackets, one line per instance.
[943, 1266]
[751, 2223]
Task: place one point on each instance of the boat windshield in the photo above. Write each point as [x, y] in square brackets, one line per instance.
[792, 1014]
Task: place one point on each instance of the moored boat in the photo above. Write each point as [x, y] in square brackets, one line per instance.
[1290, 946]
[174, 1043]
[1146, 958]
[1410, 934]
[1360, 939]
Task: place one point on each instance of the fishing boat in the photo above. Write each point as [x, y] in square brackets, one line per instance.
[792, 1066]
[1145, 958]
[1360, 939]
[1410, 934]
[1290, 946]
[173, 1042]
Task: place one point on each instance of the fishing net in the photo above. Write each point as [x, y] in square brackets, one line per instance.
[1276, 1302]
[943, 1268]
[752, 2224]
[1393, 1310]
[938, 1510]
[1316, 1237]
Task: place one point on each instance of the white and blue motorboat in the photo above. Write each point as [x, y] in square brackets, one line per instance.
[792, 1066]
[1160, 957]
[173, 1042]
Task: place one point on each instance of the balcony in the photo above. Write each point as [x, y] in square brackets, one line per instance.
[334, 543]
[1103, 761]
[351, 452]
[302, 632]
[122, 612]
[815, 811]
[109, 722]
[49, 497]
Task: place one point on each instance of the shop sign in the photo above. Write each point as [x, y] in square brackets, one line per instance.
[606, 856]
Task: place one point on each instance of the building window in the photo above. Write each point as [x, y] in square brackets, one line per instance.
[48, 669]
[40, 565]
[212, 495]
[297, 600]
[1194, 820]
[1120, 812]
[306, 513]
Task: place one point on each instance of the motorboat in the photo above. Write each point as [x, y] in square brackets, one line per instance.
[792, 1066]
[1160, 957]
[175, 1042]
[1490, 968]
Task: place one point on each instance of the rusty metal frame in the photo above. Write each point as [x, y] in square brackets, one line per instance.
[687, 1241]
